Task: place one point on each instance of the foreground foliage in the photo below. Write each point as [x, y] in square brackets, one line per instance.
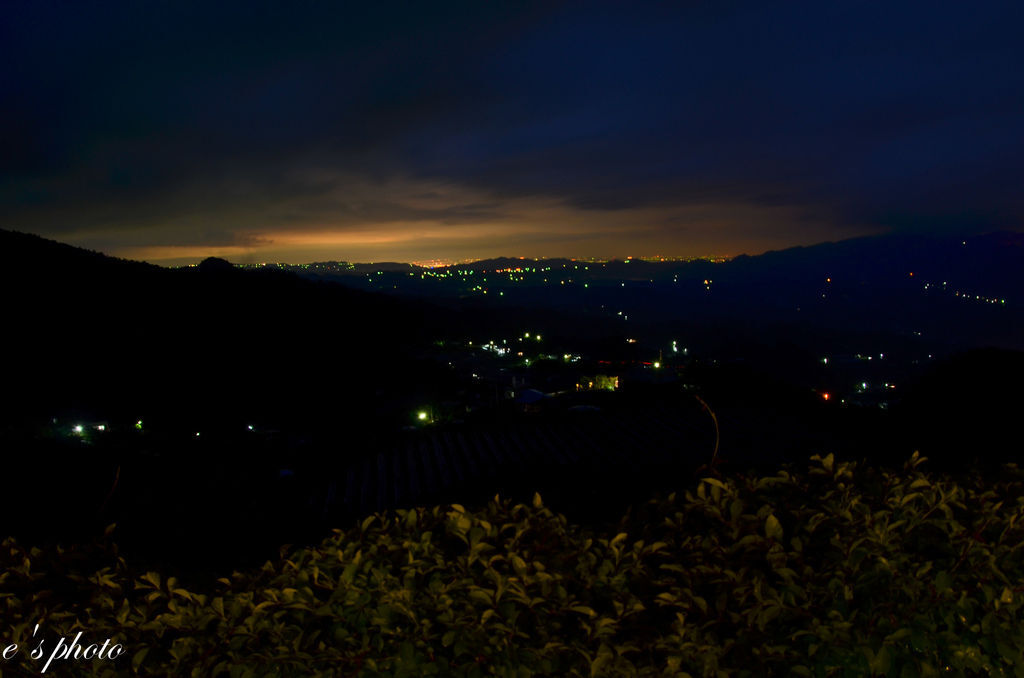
[836, 571]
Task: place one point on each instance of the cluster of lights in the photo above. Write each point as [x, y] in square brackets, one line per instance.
[967, 296]
[326, 266]
[440, 270]
[79, 429]
[863, 387]
[518, 269]
[503, 349]
[978, 297]
[494, 348]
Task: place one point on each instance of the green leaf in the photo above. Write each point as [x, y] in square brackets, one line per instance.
[897, 635]
[138, 658]
[883, 660]
[735, 509]
[715, 482]
[773, 528]
[910, 497]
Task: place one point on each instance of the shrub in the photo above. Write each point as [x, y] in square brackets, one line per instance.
[839, 570]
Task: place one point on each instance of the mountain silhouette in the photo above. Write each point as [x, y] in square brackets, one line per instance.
[87, 331]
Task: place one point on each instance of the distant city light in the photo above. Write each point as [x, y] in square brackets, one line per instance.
[78, 428]
[250, 427]
[422, 416]
[138, 424]
[657, 365]
[825, 396]
[101, 427]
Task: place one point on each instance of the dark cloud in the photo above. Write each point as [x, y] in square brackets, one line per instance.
[244, 124]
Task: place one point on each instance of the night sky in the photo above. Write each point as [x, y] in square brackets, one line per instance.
[171, 131]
